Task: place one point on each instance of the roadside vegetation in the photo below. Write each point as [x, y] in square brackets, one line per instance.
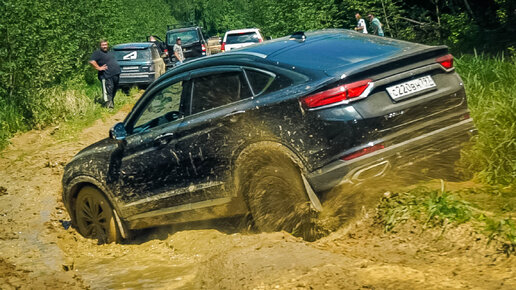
[45, 78]
[490, 157]
[491, 90]
[489, 209]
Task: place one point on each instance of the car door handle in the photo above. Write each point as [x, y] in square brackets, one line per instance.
[162, 140]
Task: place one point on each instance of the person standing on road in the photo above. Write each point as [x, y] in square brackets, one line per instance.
[178, 52]
[104, 61]
[376, 25]
[361, 25]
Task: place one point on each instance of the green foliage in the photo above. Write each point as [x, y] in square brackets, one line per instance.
[433, 207]
[464, 25]
[85, 108]
[504, 229]
[274, 18]
[439, 208]
[46, 43]
[491, 92]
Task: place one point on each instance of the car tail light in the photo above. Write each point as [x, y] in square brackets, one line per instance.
[260, 40]
[165, 51]
[223, 46]
[203, 48]
[446, 61]
[363, 152]
[339, 94]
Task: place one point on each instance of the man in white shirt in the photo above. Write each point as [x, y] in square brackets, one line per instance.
[178, 52]
[361, 25]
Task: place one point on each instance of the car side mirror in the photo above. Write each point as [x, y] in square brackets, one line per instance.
[118, 132]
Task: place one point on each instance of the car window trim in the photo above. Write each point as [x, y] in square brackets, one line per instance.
[142, 103]
[273, 77]
[209, 71]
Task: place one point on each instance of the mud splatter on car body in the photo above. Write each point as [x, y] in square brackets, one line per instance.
[342, 106]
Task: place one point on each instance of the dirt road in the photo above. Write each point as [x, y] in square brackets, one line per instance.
[39, 250]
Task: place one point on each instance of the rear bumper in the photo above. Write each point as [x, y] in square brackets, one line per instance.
[137, 78]
[377, 163]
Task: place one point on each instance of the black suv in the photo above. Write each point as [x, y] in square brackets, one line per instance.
[193, 42]
[267, 130]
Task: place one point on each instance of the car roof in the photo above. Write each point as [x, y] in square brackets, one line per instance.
[183, 29]
[335, 49]
[242, 30]
[335, 52]
[133, 45]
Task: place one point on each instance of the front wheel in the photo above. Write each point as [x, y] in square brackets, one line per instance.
[95, 217]
[278, 200]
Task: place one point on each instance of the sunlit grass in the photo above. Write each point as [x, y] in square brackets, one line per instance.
[488, 208]
[72, 106]
[491, 90]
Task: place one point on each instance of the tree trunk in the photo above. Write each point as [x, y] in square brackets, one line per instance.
[466, 3]
[387, 19]
[437, 13]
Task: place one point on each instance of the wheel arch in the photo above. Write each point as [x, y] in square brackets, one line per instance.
[80, 182]
[247, 155]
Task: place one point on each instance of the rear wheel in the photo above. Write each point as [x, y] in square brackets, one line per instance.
[278, 200]
[95, 217]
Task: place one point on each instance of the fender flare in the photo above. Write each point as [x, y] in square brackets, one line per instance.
[79, 182]
[240, 177]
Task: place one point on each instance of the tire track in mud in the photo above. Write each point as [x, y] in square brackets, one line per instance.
[36, 249]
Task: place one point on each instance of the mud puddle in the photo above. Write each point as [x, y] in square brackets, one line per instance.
[37, 250]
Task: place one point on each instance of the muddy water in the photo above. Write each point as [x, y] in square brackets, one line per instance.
[38, 251]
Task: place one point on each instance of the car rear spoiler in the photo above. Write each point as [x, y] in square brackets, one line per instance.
[372, 65]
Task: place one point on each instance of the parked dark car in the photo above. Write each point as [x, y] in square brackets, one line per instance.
[193, 42]
[267, 130]
[140, 62]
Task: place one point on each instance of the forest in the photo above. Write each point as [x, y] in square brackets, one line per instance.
[45, 78]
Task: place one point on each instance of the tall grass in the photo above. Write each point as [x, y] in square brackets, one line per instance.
[491, 89]
[75, 104]
[439, 208]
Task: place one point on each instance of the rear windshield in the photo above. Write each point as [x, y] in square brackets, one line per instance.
[187, 37]
[242, 38]
[133, 54]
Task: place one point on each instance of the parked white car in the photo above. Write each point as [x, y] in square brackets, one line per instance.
[240, 38]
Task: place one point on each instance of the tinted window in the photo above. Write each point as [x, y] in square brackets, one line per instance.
[132, 54]
[187, 37]
[262, 82]
[162, 108]
[218, 90]
[259, 81]
[280, 82]
[242, 37]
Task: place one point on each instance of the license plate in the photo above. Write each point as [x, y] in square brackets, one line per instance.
[407, 89]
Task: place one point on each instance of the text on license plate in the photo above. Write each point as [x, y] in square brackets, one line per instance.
[405, 89]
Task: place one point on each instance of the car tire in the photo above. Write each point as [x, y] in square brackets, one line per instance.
[94, 216]
[277, 199]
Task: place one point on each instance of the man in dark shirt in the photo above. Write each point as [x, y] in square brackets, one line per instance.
[105, 63]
